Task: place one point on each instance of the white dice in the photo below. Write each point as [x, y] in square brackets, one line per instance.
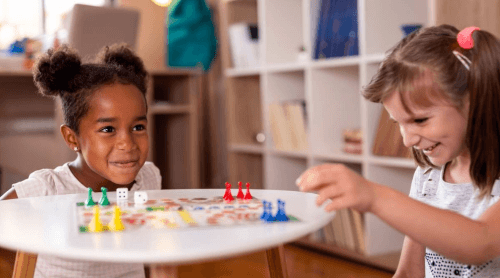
[140, 197]
[122, 194]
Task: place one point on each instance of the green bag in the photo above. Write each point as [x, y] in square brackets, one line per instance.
[191, 34]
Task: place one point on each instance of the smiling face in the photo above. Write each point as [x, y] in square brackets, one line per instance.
[112, 137]
[438, 130]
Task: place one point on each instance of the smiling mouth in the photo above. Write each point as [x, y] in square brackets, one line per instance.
[431, 148]
[125, 164]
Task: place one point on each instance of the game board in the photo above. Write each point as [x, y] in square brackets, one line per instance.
[177, 213]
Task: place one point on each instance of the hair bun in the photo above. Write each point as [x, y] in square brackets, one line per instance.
[122, 55]
[53, 70]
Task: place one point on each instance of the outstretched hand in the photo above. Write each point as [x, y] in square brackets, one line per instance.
[340, 184]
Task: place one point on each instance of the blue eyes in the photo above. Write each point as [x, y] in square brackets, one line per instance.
[109, 129]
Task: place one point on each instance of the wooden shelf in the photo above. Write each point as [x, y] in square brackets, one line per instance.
[174, 99]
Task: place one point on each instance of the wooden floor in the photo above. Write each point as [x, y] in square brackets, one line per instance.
[300, 263]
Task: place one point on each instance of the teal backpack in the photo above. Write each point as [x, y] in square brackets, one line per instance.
[191, 34]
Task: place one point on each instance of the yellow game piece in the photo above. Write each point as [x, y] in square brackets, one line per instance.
[116, 221]
[186, 217]
[95, 224]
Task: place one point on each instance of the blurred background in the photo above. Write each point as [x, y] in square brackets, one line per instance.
[241, 90]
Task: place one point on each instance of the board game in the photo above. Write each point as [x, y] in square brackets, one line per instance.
[180, 213]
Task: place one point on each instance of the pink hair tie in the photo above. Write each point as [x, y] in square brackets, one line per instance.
[464, 38]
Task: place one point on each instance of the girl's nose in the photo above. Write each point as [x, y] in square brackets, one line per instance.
[125, 141]
[410, 138]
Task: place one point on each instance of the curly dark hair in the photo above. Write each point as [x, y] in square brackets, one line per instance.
[61, 73]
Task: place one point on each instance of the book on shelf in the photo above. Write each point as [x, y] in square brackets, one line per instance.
[346, 230]
[288, 125]
[244, 44]
[388, 140]
[337, 30]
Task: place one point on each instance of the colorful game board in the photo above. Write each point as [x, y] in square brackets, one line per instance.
[177, 213]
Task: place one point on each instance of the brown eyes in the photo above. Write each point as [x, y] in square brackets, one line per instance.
[108, 129]
[421, 120]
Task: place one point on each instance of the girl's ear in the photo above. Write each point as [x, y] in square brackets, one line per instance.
[69, 137]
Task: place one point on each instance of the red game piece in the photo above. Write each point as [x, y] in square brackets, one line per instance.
[228, 191]
[247, 195]
[240, 195]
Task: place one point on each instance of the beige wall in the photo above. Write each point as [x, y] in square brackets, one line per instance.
[151, 41]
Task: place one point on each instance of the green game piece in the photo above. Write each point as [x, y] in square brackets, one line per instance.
[80, 204]
[89, 202]
[83, 229]
[104, 199]
[149, 209]
[292, 218]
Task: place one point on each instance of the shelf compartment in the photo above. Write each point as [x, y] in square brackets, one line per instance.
[281, 172]
[385, 18]
[171, 89]
[172, 139]
[246, 167]
[20, 98]
[236, 11]
[284, 38]
[285, 86]
[244, 117]
[335, 107]
[380, 237]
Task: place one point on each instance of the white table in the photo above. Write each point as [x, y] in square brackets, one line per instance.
[47, 225]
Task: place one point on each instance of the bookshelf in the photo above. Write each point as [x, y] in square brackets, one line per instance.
[330, 88]
[173, 109]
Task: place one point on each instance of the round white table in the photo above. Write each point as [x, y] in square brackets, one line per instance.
[47, 225]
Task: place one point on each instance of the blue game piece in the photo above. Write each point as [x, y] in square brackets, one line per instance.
[264, 213]
[281, 215]
[269, 217]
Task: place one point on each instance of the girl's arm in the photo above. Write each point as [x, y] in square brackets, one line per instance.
[10, 194]
[448, 233]
[411, 263]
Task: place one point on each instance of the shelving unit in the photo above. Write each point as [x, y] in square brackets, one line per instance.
[173, 106]
[331, 90]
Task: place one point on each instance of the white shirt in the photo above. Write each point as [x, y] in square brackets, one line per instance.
[61, 181]
[428, 186]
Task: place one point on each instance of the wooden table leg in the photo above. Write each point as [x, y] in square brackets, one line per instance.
[163, 271]
[277, 263]
[24, 267]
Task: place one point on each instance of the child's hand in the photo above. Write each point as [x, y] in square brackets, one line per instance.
[340, 184]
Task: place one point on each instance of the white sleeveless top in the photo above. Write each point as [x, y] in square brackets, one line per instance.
[61, 181]
[428, 186]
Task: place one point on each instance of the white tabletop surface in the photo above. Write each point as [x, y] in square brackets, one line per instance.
[47, 225]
